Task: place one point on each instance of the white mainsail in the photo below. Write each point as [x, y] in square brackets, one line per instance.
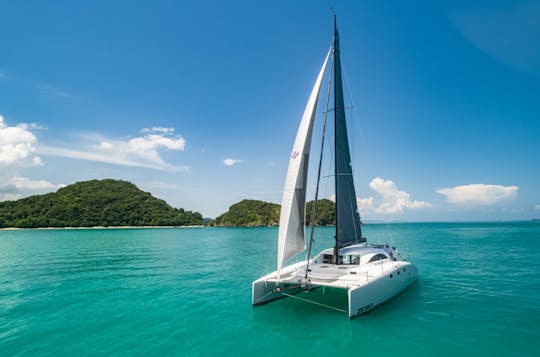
[292, 218]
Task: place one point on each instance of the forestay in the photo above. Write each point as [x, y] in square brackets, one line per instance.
[292, 218]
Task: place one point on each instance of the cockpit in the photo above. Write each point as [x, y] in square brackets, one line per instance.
[355, 255]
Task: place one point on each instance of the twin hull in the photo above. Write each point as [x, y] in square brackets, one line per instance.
[364, 292]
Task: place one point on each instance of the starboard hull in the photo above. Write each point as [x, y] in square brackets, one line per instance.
[363, 299]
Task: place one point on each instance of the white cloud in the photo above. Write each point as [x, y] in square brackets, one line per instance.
[389, 199]
[29, 184]
[142, 151]
[365, 204]
[231, 162]
[18, 187]
[157, 129]
[17, 144]
[37, 161]
[393, 200]
[10, 196]
[478, 194]
[537, 207]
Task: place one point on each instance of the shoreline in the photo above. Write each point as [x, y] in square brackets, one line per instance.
[272, 226]
[95, 227]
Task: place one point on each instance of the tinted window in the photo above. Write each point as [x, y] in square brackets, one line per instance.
[377, 257]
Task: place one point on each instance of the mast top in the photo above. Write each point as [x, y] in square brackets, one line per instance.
[335, 21]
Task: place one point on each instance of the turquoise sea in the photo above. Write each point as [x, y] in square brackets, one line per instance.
[187, 291]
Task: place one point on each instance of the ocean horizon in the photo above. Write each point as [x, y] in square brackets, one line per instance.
[364, 222]
[188, 291]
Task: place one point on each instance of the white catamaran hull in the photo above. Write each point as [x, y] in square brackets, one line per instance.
[368, 285]
[365, 298]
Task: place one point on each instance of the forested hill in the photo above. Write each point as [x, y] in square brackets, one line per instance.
[249, 213]
[94, 203]
[252, 213]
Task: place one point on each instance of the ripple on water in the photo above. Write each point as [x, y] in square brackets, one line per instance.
[187, 291]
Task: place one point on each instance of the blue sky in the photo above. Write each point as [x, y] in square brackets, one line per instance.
[198, 102]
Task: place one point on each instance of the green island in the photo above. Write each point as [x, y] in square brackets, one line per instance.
[106, 203]
[249, 213]
[117, 203]
[255, 213]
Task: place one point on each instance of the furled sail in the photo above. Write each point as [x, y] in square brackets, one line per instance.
[347, 217]
[292, 218]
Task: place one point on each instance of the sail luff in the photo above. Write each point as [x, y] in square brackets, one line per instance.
[348, 229]
[291, 238]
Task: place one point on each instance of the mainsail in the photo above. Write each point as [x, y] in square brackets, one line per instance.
[292, 218]
[347, 217]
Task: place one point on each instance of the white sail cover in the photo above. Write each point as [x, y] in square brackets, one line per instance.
[293, 205]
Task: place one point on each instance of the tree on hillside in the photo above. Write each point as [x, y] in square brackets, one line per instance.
[94, 203]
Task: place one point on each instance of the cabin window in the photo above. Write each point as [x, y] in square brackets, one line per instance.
[377, 257]
[349, 259]
[327, 258]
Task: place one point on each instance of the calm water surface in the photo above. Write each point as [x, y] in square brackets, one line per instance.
[188, 292]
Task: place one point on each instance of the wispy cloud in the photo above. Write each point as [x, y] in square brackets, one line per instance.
[25, 183]
[157, 129]
[232, 162]
[37, 86]
[17, 144]
[53, 91]
[537, 207]
[17, 187]
[142, 151]
[478, 194]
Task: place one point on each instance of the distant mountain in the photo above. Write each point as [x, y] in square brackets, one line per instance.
[326, 213]
[253, 213]
[249, 213]
[94, 203]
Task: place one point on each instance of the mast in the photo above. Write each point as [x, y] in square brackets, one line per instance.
[347, 218]
[335, 48]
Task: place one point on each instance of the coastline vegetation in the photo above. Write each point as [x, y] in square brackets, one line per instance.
[116, 203]
[249, 213]
[106, 203]
[255, 213]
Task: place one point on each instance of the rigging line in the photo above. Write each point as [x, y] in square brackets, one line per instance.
[390, 234]
[356, 229]
[345, 107]
[277, 290]
[264, 296]
[314, 302]
[353, 107]
[314, 206]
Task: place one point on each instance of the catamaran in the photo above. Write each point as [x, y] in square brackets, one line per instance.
[370, 273]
